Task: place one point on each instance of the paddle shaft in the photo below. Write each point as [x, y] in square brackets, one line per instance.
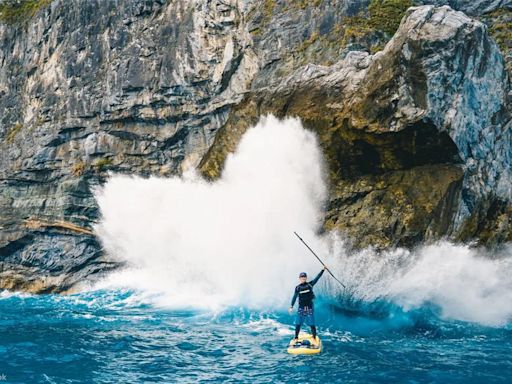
[313, 252]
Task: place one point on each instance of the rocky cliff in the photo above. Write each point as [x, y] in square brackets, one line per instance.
[414, 125]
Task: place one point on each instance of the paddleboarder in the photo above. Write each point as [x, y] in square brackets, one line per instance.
[305, 311]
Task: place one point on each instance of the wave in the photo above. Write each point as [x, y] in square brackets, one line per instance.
[191, 243]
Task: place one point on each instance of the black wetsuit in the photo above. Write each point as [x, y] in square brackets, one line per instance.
[305, 294]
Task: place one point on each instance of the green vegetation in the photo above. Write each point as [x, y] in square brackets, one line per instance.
[502, 33]
[385, 15]
[499, 23]
[256, 31]
[303, 4]
[102, 163]
[355, 28]
[14, 11]
[99, 165]
[376, 48]
[11, 133]
[268, 9]
[307, 43]
[382, 19]
[78, 169]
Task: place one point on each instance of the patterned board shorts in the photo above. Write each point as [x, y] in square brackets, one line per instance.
[305, 315]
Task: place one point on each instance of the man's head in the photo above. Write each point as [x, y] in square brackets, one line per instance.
[303, 277]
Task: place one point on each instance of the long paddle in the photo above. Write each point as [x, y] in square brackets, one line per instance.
[313, 252]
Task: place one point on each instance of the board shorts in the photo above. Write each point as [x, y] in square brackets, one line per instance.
[305, 315]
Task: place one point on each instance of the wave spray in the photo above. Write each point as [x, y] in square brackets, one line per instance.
[192, 243]
[229, 242]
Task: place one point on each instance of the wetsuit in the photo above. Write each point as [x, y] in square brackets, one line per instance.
[305, 313]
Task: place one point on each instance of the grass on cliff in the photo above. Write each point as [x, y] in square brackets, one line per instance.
[385, 15]
[303, 4]
[102, 164]
[499, 23]
[269, 7]
[11, 133]
[268, 10]
[502, 33]
[81, 167]
[14, 11]
[78, 169]
[370, 28]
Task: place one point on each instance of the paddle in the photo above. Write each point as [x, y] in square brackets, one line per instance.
[313, 252]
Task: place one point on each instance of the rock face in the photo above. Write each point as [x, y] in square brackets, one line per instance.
[417, 136]
[90, 86]
[476, 7]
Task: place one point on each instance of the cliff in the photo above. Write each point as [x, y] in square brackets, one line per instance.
[414, 125]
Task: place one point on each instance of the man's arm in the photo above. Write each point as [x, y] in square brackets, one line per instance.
[315, 280]
[294, 297]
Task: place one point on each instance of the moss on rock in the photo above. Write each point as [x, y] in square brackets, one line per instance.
[385, 15]
[14, 11]
[303, 4]
[243, 116]
[78, 169]
[398, 208]
[13, 132]
[103, 163]
[500, 28]
[367, 27]
[490, 223]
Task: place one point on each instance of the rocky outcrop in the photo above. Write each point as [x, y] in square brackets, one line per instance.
[88, 87]
[476, 7]
[416, 137]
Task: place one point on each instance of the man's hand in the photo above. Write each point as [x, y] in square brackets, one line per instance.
[290, 310]
[325, 267]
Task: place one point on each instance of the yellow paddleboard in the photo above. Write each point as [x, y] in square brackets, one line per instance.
[305, 345]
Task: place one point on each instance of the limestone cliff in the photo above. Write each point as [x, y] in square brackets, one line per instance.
[414, 151]
[415, 127]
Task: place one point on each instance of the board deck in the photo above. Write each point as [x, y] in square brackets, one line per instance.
[305, 345]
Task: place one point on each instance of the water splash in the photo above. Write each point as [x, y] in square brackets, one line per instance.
[230, 243]
[225, 243]
[461, 282]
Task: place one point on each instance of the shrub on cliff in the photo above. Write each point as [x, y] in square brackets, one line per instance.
[13, 11]
[385, 15]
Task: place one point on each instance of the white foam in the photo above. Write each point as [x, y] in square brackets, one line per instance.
[225, 243]
[190, 243]
[465, 283]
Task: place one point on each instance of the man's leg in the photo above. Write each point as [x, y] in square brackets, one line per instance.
[297, 330]
[299, 319]
[311, 323]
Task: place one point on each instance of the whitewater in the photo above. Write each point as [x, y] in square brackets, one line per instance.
[209, 271]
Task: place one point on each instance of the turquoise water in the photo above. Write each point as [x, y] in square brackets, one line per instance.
[438, 313]
[111, 336]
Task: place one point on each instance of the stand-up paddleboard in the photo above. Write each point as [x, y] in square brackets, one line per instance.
[305, 345]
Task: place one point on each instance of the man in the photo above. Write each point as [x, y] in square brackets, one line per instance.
[305, 312]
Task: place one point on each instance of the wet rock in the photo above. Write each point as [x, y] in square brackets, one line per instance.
[433, 102]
